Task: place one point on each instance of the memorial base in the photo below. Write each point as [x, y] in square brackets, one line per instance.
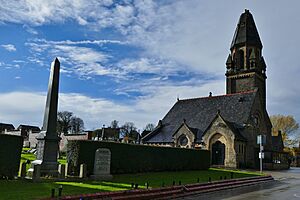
[102, 177]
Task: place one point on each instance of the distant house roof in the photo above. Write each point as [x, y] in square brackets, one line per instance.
[28, 127]
[200, 112]
[111, 132]
[8, 127]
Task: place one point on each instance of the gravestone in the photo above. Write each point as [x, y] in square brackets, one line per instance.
[34, 172]
[62, 171]
[102, 164]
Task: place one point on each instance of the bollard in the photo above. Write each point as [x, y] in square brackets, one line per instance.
[83, 171]
[52, 193]
[147, 185]
[198, 180]
[136, 186]
[60, 190]
[179, 183]
[173, 183]
[209, 179]
[132, 185]
[67, 168]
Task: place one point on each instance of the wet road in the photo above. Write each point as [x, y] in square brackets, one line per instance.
[285, 186]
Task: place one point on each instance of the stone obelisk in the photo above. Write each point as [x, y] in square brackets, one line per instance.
[48, 139]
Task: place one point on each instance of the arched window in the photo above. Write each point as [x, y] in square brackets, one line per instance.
[240, 60]
[249, 61]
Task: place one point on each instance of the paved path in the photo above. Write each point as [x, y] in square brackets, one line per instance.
[285, 186]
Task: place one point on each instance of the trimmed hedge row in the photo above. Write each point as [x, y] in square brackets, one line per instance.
[10, 155]
[130, 158]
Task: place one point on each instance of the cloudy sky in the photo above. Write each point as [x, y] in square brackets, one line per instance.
[130, 60]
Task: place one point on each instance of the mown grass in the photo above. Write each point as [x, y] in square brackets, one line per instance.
[22, 189]
[31, 157]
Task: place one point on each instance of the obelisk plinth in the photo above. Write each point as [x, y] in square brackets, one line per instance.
[48, 139]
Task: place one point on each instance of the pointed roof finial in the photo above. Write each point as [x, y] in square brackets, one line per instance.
[246, 32]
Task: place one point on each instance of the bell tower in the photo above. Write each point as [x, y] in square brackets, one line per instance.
[246, 68]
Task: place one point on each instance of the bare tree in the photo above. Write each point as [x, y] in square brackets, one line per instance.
[77, 124]
[127, 129]
[149, 127]
[66, 121]
[114, 124]
[288, 126]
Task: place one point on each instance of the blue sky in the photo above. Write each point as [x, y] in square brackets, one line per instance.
[130, 60]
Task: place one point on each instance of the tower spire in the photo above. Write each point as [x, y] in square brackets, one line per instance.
[246, 32]
[245, 64]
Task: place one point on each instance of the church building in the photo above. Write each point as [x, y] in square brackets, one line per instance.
[227, 125]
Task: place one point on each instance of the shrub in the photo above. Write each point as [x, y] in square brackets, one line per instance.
[130, 158]
[10, 155]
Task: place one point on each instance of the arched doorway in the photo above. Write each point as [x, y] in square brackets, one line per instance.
[218, 153]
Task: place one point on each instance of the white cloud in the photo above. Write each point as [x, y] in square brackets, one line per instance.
[81, 42]
[28, 107]
[149, 66]
[47, 11]
[30, 29]
[9, 47]
[84, 61]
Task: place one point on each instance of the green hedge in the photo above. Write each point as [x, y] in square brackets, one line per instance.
[10, 155]
[130, 158]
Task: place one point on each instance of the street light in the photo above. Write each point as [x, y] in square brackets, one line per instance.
[261, 140]
[102, 134]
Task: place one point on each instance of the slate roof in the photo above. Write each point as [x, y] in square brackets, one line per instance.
[246, 31]
[8, 127]
[28, 127]
[200, 112]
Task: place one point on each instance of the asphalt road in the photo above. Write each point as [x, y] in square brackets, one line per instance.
[285, 187]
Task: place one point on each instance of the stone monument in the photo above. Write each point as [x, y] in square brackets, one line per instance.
[102, 164]
[48, 140]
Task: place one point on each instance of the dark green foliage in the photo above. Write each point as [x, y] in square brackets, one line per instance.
[10, 155]
[130, 158]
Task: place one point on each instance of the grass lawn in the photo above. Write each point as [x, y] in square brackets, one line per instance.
[20, 189]
[31, 157]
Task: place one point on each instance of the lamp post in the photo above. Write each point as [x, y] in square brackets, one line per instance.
[261, 140]
[102, 132]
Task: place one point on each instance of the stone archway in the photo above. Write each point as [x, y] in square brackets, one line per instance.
[218, 153]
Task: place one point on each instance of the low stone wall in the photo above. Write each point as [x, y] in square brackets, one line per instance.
[276, 166]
